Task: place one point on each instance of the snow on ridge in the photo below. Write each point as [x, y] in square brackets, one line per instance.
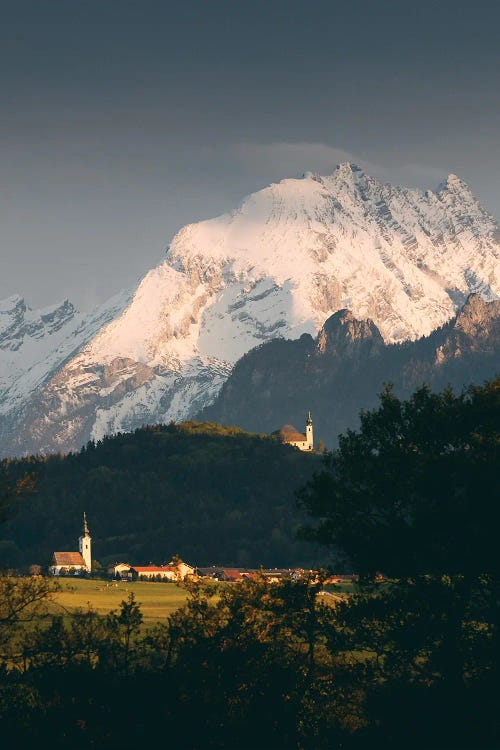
[346, 226]
[7, 304]
[280, 264]
[28, 362]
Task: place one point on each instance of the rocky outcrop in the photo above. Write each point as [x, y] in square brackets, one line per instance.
[475, 329]
[345, 367]
[344, 335]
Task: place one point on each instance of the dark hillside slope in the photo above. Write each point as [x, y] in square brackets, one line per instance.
[213, 495]
[344, 369]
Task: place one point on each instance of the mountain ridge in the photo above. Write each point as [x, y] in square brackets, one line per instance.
[277, 266]
[336, 376]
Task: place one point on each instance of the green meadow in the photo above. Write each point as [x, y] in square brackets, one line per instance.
[157, 600]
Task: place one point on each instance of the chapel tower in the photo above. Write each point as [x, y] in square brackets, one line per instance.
[309, 432]
[85, 545]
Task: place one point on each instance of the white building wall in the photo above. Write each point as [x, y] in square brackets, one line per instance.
[55, 570]
[85, 548]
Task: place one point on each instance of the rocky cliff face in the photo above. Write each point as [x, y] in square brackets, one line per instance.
[278, 266]
[343, 335]
[344, 368]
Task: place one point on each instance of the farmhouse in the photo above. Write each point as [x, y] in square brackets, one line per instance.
[289, 435]
[120, 571]
[175, 571]
[74, 563]
[153, 572]
[239, 575]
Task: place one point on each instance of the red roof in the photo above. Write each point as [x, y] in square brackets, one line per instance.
[154, 568]
[69, 558]
[289, 434]
[233, 574]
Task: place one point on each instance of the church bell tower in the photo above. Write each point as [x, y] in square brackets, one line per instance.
[85, 545]
[309, 432]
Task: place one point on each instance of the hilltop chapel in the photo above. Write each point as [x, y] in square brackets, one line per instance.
[74, 563]
[289, 435]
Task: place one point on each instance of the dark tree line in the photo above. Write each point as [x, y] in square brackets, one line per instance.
[215, 495]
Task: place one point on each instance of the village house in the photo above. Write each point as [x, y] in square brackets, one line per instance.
[239, 575]
[174, 571]
[74, 563]
[153, 572]
[275, 575]
[120, 571]
[183, 569]
[177, 571]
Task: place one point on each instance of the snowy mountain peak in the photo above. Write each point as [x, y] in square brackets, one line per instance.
[10, 303]
[349, 175]
[452, 182]
[18, 322]
[456, 195]
[279, 265]
[348, 168]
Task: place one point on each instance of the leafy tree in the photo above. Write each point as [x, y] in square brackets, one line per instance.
[415, 490]
[22, 600]
[251, 661]
[414, 494]
[97, 568]
[124, 626]
[12, 490]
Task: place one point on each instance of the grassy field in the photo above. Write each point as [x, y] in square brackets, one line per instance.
[346, 587]
[157, 600]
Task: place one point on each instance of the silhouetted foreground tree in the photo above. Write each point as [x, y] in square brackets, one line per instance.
[244, 666]
[256, 665]
[416, 490]
[22, 600]
[414, 494]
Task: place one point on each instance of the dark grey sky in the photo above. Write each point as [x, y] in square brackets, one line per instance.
[121, 121]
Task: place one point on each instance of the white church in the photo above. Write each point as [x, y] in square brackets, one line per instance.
[289, 435]
[74, 563]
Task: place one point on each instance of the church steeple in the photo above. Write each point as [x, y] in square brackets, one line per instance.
[309, 432]
[84, 544]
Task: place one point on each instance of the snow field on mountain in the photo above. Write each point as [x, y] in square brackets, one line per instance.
[35, 343]
[279, 265]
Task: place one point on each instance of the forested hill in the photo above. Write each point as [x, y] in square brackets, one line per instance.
[212, 494]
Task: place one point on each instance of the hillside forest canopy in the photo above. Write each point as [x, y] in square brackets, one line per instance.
[214, 495]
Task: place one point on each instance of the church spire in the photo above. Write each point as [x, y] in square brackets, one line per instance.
[309, 433]
[85, 545]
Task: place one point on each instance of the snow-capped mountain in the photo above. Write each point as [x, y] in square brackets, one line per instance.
[278, 266]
